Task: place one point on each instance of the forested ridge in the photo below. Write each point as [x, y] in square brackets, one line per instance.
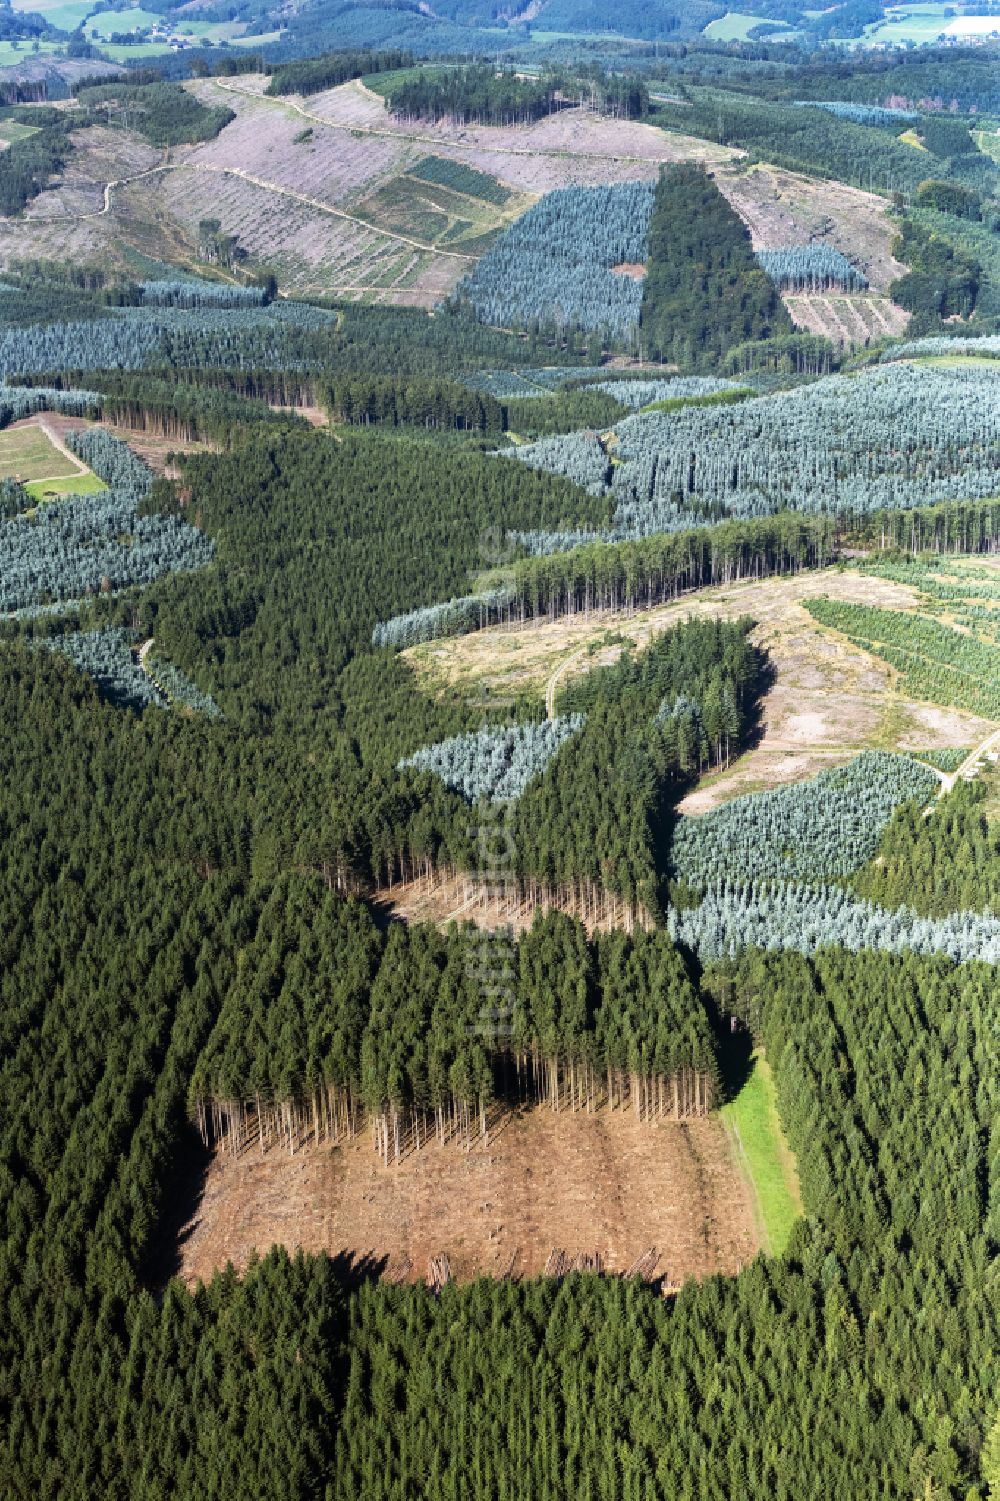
[878, 1322]
[201, 844]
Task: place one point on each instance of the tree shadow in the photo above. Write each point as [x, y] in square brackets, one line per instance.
[182, 1191]
[735, 1052]
[355, 1269]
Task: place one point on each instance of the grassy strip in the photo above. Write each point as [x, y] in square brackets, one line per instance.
[714, 399]
[753, 1125]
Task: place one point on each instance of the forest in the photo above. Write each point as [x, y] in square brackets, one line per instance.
[164, 113]
[222, 772]
[485, 96]
[407, 1050]
[889, 437]
[554, 267]
[703, 292]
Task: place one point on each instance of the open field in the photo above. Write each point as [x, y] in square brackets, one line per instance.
[12, 54]
[752, 1121]
[847, 320]
[66, 15]
[71, 484]
[828, 701]
[28, 453]
[783, 208]
[13, 130]
[582, 1182]
[735, 26]
[922, 24]
[34, 453]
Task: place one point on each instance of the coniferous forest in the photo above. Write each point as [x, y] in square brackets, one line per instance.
[340, 607]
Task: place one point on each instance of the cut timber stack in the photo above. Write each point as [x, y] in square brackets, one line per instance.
[438, 1273]
[589, 1261]
[644, 1265]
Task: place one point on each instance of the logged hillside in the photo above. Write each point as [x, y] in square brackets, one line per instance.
[331, 192]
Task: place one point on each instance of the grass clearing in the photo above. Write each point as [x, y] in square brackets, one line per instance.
[988, 142]
[12, 53]
[13, 130]
[27, 453]
[65, 15]
[73, 484]
[755, 1130]
[736, 26]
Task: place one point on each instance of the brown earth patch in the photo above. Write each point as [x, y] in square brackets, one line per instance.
[782, 208]
[828, 700]
[150, 447]
[444, 898]
[586, 1183]
[635, 270]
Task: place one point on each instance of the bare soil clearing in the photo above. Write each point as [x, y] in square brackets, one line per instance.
[444, 898]
[829, 700]
[295, 204]
[150, 447]
[785, 208]
[584, 1183]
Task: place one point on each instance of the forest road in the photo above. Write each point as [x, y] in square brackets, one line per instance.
[968, 768]
[554, 678]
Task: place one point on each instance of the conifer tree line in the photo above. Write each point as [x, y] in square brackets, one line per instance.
[484, 96]
[636, 575]
[168, 408]
[811, 268]
[420, 402]
[331, 1030]
[312, 75]
[165, 113]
